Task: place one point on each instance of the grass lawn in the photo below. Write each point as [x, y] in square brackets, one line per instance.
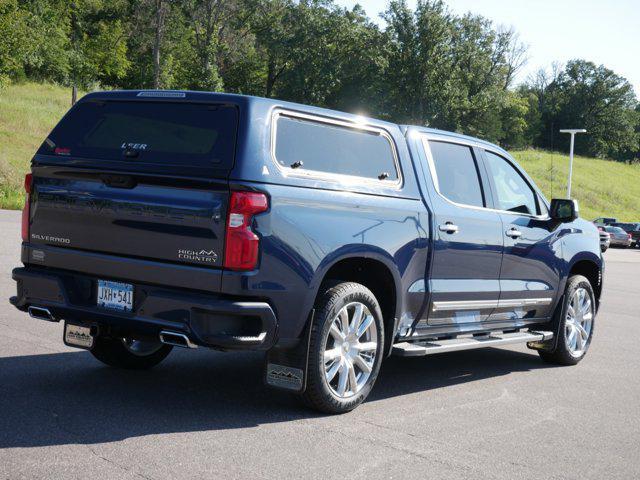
[29, 111]
[602, 187]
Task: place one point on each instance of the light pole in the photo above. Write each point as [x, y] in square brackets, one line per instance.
[572, 132]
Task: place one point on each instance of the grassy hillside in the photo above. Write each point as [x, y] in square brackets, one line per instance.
[29, 111]
[27, 114]
[602, 187]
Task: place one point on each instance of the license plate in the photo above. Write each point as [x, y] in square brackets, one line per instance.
[78, 336]
[115, 295]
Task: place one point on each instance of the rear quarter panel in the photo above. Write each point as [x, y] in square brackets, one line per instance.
[312, 224]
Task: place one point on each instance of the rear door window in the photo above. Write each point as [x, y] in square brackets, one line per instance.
[457, 175]
[316, 146]
[147, 132]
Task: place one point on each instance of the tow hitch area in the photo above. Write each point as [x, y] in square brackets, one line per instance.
[78, 336]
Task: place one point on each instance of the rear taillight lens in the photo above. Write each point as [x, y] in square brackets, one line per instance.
[242, 245]
[28, 182]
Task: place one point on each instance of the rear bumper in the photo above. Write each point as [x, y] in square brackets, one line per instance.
[206, 319]
[620, 242]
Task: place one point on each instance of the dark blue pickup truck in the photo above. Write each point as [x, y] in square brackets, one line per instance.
[157, 219]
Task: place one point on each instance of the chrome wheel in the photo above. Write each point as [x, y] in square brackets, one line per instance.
[141, 348]
[579, 322]
[350, 350]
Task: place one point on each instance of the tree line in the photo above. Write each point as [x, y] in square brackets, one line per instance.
[426, 66]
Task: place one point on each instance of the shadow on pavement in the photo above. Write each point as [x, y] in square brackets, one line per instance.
[66, 398]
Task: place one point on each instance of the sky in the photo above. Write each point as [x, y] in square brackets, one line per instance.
[604, 32]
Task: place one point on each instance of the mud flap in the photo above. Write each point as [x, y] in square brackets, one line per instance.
[286, 368]
[551, 345]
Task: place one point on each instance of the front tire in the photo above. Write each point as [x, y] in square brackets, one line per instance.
[346, 348]
[577, 321]
[130, 354]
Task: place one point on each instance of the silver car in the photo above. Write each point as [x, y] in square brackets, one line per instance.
[619, 238]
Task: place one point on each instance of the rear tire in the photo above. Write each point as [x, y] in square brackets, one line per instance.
[129, 354]
[346, 348]
[576, 321]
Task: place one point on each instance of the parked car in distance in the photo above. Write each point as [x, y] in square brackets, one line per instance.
[605, 239]
[633, 229]
[161, 219]
[619, 238]
[604, 221]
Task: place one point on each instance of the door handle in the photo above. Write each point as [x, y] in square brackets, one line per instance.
[448, 227]
[513, 232]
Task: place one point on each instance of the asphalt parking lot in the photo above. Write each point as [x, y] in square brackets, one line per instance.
[492, 413]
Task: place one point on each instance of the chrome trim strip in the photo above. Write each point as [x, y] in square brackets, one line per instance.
[524, 302]
[334, 177]
[464, 305]
[485, 304]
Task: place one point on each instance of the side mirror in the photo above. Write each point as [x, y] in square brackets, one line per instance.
[563, 209]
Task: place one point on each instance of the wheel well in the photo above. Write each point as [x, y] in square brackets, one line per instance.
[376, 277]
[591, 271]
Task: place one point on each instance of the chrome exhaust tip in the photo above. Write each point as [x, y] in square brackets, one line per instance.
[41, 313]
[176, 339]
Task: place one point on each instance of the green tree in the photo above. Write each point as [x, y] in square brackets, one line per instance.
[585, 95]
[34, 40]
[13, 40]
[98, 37]
[418, 78]
[453, 72]
[207, 19]
[595, 98]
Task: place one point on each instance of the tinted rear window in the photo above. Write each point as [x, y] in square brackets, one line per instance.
[324, 147]
[457, 173]
[147, 132]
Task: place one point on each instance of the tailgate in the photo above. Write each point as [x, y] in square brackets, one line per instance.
[78, 209]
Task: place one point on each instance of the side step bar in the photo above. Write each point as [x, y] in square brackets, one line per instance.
[494, 339]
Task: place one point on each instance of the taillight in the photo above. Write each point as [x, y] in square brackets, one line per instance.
[28, 182]
[241, 246]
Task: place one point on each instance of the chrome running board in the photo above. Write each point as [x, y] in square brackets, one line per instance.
[493, 339]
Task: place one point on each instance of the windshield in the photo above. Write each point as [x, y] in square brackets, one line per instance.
[629, 227]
